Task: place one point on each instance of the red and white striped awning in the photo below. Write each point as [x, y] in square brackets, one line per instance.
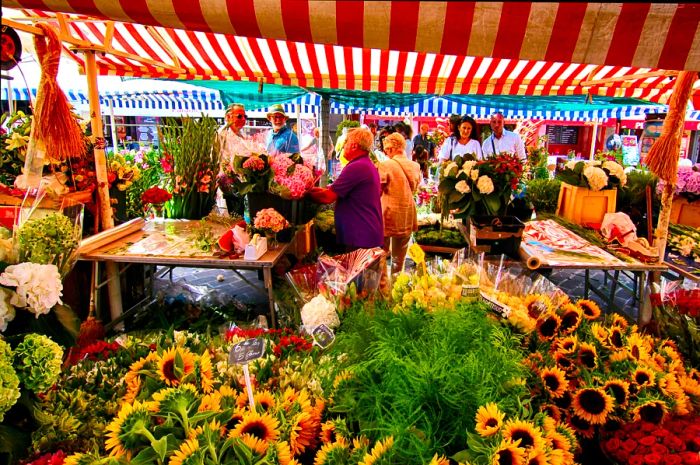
[644, 35]
[183, 54]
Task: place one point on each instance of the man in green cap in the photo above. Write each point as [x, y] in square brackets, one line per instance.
[281, 139]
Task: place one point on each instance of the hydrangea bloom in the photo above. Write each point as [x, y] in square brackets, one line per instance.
[254, 163]
[7, 310]
[596, 177]
[485, 185]
[37, 360]
[688, 182]
[9, 385]
[38, 287]
[318, 311]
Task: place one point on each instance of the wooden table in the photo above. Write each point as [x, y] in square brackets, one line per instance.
[169, 243]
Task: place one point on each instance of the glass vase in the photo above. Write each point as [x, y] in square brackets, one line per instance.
[157, 212]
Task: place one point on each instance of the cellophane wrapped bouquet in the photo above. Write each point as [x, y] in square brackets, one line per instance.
[676, 310]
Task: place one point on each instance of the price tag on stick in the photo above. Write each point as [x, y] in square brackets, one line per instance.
[323, 336]
[241, 354]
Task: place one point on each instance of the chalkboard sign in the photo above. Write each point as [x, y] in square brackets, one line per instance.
[246, 351]
[562, 135]
[323, 336]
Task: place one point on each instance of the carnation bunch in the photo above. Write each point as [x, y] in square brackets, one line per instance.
[595, 175]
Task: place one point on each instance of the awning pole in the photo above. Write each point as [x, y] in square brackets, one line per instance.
[105, 206]
[325, 133]
[113, 126]
[593, 139]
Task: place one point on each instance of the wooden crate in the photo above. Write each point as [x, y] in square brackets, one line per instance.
[49, 201]
[685, 212]
[584, 206]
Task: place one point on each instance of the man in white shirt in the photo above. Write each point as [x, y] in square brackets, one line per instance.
[502, 140]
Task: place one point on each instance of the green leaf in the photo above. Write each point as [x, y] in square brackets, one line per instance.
[446, 186]
[462, 456]
[145, 457]
[454, 197]
[493, 203]
[160, 447]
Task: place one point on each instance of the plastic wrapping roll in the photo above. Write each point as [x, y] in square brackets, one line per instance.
[106, 237]
[529, 257]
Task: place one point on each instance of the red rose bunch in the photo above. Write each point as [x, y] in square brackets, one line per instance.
[289, 344]
[674, 442]
[99, 350]
[155, 195]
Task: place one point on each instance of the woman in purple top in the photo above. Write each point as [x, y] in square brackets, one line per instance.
[357, 193]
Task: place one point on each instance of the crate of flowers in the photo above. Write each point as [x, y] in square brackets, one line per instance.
[436, 236]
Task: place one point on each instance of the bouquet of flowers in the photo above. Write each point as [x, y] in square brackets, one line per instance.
[155, 195]
[687, 184]
[595, 175]
[292, 176]
[270, 221]
[483, 187]
[122, 170]
[254, 173]
[676, 310]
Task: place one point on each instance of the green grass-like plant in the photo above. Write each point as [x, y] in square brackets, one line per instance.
[543, 194]
[420, 377]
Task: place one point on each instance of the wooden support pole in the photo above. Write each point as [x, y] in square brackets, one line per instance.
[104, 203]
[325, 134]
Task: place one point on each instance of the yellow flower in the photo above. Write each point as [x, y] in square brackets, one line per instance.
[205, 372]
[16, 141]
[554, 380]
[590, 309]
[379, 449]
[529, 435]
[126, 432]
[256, 431]
[619, 389]
[175, 364]
[187, 449]
[509, 454]
[488, 419]
[592, 405]
[653, 411]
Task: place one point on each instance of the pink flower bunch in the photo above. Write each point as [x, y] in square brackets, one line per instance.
[295, 184]
[271, 220]
[280, 164]
[254, 163]
[688, 182]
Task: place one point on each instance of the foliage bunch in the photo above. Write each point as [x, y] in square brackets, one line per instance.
[420, 377]
[13, 145]
[192, 146]
[543, 194]
[51, 239]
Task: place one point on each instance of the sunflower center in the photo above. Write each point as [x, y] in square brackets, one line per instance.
[616, 339]
[548, 328]
[641, 378]
[169, 369]
[506, 457]
[579, 422]
[257, 429]
[564, 362]
[588, 358]
[491, 422]
[552, 382]
[592, 402]
[618, 392]
[653, 413]
[635, 352]
[526, 439]
[569, 320]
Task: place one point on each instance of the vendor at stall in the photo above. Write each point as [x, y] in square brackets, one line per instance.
[464, 140]
[281, 139]
[357, 193]
[502, 140]
[235, 120]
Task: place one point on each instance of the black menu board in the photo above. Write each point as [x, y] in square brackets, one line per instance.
[562, 135]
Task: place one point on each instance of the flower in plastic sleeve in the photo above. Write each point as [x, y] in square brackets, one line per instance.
[318, 311]
[485, 185]
[37, 360]
[462, 187]
[38, 287]
[596, 177]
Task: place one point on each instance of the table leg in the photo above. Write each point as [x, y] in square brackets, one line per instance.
[644, 315]
[586, 283]
[267, 279]
[613, 289]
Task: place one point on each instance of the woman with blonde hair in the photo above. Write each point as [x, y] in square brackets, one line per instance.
[399, 178]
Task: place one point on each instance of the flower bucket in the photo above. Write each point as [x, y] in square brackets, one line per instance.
[295, 211]
[496, 235]
[684, 211]
[583, 206]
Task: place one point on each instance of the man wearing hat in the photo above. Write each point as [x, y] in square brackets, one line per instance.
[281, 139]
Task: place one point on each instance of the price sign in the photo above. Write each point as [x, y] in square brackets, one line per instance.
[323, 336]
[246, 351]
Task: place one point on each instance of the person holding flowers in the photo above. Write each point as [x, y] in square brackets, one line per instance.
[399, 178]
[357, 193]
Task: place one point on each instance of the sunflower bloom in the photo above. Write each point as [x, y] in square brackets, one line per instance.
[637, 347]
[592, 405]
[379, 449]
[174, 365]
[439, 460]
[488, 419]
[563, 361]
[187, 450]
[509, 454]
[653, 411]
[264, 399]
[583, 427]
[227, 396]
[210, 403]
[619, 321]
[590, 309]
[256, 431]
[284, 453]
[328, 432]
[206, 373]
[303, 432]
[129, 430]
[567, 345]
[537, 457]
[328, 452]
[643, 377]
[529, 435]
[616, 338]
[587, 355]
[552, 411]
[600, 333]
[554, 380]
[537, 304]
[570, 318]
[619, 389]
[548, 326]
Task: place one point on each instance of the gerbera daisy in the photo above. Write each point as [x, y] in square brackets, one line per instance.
[379, 449]
[548, 326]
[537, 304]
[529, 435]
[488, 419]
[582, 426]
[206, 373]
[174, 365]
[652, 411]
[256, 430]
[303, 432]
[587, 355]
[590, 309]
[508, 454]
[129, 430]
[264, 399]
[332, 453]
[619, 389]
[187, 453]
[593, 405]
[643, 377]
[554, 380]
[570, 318]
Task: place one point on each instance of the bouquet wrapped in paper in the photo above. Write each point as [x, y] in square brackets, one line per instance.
[676, 310]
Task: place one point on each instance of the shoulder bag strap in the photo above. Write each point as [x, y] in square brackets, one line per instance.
[493, 144]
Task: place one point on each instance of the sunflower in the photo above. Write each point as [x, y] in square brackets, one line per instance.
[619, 355]
[186, 454]
[228, 396]
[74, 459]
[206, 373]
[554, 380]
[587, 355]
[508, 453]
[284, 453]
[264, 399]
[567, 345]
[590, 309]
[537, 457]
[529, 435]
[600, 333]
[652, 411]
[548, 326]
[637, 347]
[563, 361]
[616, 338]
[379, 449]
[342, 376]
[593, 405]
[488, 419]
[126, 432]
[303, 432]
[329, 453]
[209, 432]
[210, 403]
[256, 431]
[619, 321]
[176, 400]
[564, 402]
[329, 432]
[619, 389]
[570, 318]
[669, 386]
[559, 441]
[537, 305]
[133, 378]
[551, 410]
[174, 365]
[439, 460]
[643, 377]
[582, 426]
[236, 417]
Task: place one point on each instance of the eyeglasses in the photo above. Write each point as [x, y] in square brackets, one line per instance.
[240, 116]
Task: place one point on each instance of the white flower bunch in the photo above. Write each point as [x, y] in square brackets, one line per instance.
[467, 166]
[615, 169]
[462, 187]
[318, 311]
[38, 287]
[596, 177]
[450, 166]
[485, 185]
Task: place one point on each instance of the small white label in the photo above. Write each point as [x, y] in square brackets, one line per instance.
[496, 306]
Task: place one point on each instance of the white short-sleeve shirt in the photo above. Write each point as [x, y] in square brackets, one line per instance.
[451, 148]
[509, 142]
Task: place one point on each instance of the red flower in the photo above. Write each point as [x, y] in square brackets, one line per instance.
[636, 460]
[674, 443]
[671, 460]
[612, 445]
[648, 440]
[155, 195]
[629, 445]
[659, 449]
[690, 458]
[653, 459]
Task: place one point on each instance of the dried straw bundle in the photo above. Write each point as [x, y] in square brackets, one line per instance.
[663, 156]
[55, 125]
